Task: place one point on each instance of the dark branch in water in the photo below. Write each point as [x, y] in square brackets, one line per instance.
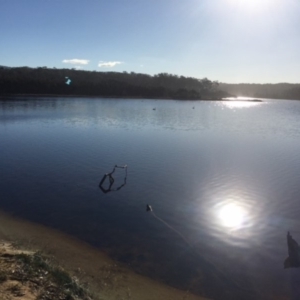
[112, 181]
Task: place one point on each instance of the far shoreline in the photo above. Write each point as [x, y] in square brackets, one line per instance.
[128, 97]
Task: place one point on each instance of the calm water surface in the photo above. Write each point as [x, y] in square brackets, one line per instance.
[224, 176]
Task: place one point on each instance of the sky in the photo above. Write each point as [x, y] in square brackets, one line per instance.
[233, 41]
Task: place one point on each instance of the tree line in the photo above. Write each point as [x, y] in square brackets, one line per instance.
[277, 91]
[42, 80]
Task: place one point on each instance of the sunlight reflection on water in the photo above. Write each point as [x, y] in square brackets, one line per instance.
[240, 102]
[224, 174]
[234, 219]
[231, 215]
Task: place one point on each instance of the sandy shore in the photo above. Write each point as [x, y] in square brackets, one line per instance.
[106, 278]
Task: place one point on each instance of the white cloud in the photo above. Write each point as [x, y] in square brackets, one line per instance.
[108, 64]
[76, 61]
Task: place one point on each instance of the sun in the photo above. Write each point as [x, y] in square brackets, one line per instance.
[253, 4]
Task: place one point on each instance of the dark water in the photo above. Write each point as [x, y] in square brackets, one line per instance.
[225, 175]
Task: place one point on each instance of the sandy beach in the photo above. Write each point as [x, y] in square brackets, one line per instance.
[107, 279]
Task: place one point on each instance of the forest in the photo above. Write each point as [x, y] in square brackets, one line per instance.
[276, 91]
[72, 82]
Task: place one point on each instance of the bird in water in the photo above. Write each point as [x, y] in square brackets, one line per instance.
[148, 207]
[293, 260]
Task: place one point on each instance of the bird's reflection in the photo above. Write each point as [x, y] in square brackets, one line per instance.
[293, 260]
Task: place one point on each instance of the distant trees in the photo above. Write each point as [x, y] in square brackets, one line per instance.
[277, 91]
[42, 80]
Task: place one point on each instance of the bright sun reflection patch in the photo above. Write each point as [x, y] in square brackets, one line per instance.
[232, 215]
[240, 104]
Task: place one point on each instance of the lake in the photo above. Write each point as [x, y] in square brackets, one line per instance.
[222, 178]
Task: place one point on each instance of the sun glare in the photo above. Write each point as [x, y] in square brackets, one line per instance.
[253, 4]
[239, 104]
[231, 215]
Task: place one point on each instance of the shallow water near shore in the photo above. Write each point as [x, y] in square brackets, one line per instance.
[224, 176]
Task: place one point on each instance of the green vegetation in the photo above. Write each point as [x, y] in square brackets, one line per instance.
[26, 80]
[32, 274]
[36, 267]
[45, 81]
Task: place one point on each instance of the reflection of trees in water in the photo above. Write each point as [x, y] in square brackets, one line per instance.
[30, 104]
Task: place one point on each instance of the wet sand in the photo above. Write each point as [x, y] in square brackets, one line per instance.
[106, 278]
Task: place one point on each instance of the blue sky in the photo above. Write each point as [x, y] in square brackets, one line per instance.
[255, 41]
